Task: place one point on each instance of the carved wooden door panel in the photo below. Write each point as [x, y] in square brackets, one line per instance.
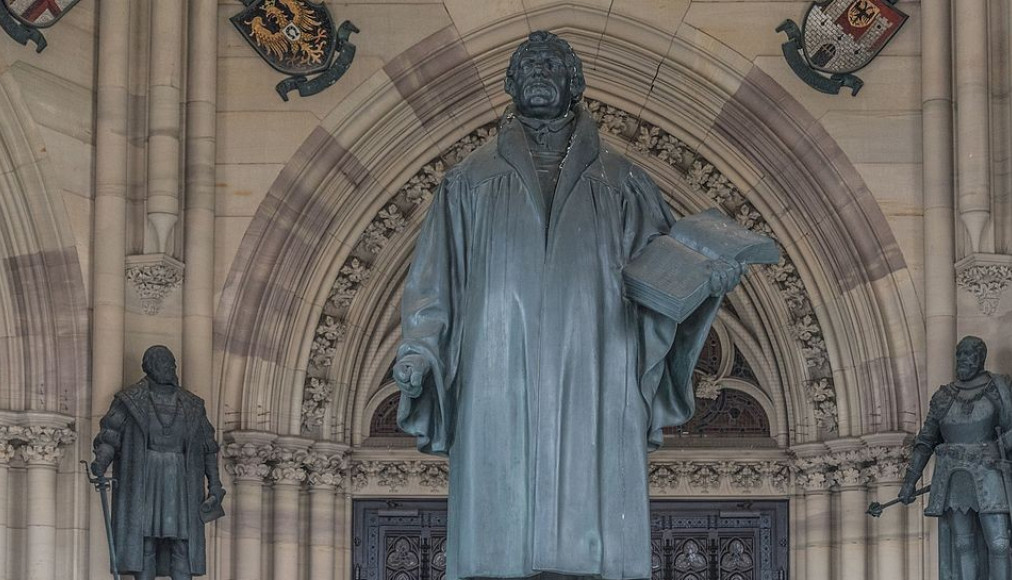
[691, 540]
[726, 540]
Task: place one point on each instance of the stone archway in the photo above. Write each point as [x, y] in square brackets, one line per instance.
[858, 322]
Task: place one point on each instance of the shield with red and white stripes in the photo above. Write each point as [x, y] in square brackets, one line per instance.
[39, 13]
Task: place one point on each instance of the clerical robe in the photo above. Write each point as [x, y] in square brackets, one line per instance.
[547, 387]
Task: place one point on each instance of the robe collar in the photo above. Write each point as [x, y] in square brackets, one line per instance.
[584, 147]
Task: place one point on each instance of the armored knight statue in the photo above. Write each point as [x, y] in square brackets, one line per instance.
[521, 358]
[968, 429]
[161, 447]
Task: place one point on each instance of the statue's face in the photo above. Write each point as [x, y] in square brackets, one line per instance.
[543, 87]
[969, 361]
[162, 370]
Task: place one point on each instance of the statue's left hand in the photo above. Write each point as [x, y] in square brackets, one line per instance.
[212, 500]
[724, 275]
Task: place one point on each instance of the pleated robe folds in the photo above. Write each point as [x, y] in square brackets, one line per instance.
[547, 386]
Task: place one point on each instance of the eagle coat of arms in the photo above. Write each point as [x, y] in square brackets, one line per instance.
[297, 37]
[839, 37]
[21, 19]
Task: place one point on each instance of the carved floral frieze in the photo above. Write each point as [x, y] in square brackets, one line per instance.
[700, 174]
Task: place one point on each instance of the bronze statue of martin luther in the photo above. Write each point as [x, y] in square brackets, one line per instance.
[522, 359]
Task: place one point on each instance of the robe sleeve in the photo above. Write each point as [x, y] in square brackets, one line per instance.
[430, 305]
[668, 350]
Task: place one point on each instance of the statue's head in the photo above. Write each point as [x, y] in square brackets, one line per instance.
[160, 365]
[970, 355]
[545, 77]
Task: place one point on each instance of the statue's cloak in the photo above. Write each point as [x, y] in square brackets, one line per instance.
[548, 386]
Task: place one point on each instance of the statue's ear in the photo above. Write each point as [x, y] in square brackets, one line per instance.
[510, 86]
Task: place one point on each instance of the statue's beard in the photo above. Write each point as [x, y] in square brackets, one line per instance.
[965, 372]
[165, 377]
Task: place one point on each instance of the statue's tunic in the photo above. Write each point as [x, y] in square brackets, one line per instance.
[143, 452]
[548, 387]
[165, 473]
[960, 428]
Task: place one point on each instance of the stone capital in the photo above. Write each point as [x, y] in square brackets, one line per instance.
[327, 466]
[289, 460]
[248, 455]
[44, 445]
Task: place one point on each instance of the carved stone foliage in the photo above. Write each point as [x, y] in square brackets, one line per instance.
[316, 398]
[850, 468]
[248, 461]
[708, 386]
[701, 175]
[986, 282]
[286, 461]
[153, 277]
[395, 475]
[35, 445]
[714, 477]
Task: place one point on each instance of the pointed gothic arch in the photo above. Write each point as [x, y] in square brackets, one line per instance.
[846, 357]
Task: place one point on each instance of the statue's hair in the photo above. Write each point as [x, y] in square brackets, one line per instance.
[976, 343]
[155, 355]
[577, 83]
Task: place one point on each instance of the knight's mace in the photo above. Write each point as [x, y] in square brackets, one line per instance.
[875, 509]
[102, 485]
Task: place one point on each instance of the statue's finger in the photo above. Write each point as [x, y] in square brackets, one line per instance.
[416, 379]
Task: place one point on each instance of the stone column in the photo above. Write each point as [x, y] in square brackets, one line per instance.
[887, 470]
[812, 477]
[108, 236]
[42, 450]
[247, 458]
[342, 542]
[973, 135]
[7, 434]
[164, 121]
[939, 199]
[326, 465]
[288, 474]
[852, 521]
[198, 281]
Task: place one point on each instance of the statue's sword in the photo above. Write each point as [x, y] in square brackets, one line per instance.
[102, 484]
[1006, 469]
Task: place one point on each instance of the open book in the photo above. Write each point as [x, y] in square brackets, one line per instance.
[672, 275]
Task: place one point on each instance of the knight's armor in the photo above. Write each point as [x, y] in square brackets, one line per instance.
[961, 431]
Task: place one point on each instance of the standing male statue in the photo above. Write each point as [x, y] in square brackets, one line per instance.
[969, 493]
[522, 360]
[161, 447]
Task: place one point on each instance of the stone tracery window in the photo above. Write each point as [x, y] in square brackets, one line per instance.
[384, 418]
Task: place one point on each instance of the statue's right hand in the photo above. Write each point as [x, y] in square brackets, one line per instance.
[906, 495]
[410, 372]
[98, 469]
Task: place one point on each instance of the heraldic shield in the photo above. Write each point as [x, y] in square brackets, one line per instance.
[297, 37]
[21, 19]
[839, 37]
